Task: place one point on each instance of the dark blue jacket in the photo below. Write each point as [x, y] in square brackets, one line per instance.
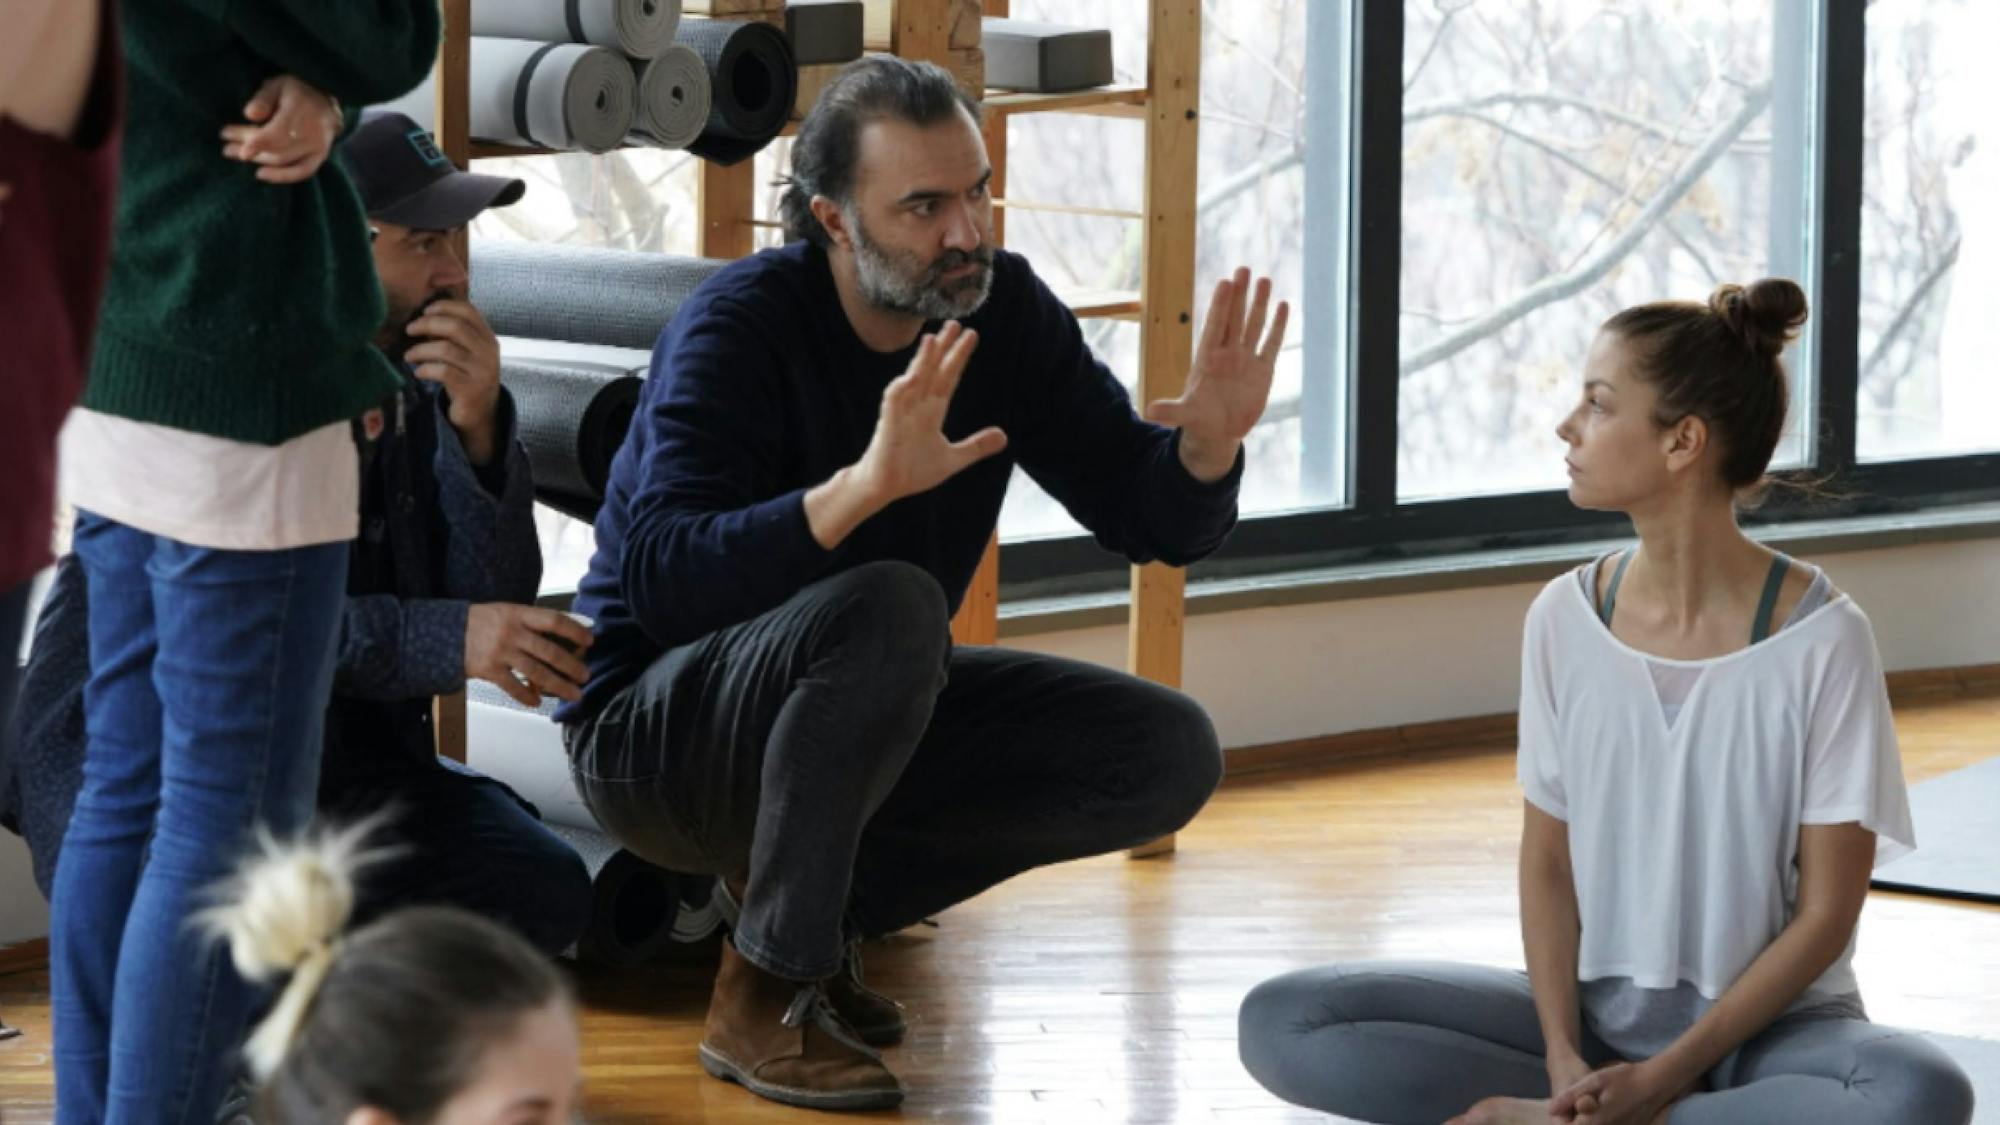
[437, 536]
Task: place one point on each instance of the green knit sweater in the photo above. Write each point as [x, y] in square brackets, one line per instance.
[234, 307]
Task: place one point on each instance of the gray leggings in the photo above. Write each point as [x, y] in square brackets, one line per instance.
[1419, 1042]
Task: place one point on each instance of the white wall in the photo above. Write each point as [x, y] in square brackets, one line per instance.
[1272, 675]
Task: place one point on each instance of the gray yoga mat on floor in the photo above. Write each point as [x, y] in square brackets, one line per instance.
[1957, 818]
[753, 81]
[674, 98]
[824, 32]
[571, 418]
[640, 28]
[618, 297]
[555, 95]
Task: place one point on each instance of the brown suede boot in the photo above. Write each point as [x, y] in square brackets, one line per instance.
[877, 1019]
[782, 1040]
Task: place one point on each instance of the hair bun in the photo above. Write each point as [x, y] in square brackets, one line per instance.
[1765, 316]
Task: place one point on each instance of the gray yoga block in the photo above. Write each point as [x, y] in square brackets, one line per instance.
[1045, 58]
[825, 31]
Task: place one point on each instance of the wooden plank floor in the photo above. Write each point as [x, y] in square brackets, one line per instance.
[1106, 991]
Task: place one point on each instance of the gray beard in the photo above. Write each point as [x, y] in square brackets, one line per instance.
[894, 283]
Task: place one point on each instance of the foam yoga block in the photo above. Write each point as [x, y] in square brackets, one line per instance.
[620, 298]
[1044, 57]
[640, 28]
[571, 418]
[552, 95]
[673, 98]
[753, 83]
[825, 32]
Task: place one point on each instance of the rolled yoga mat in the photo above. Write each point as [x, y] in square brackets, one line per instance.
[571, 418]
[550, 95]
[640, 28]
[633, 904]
[674, 98]
[523, 748]
[753, 81]
[622, 298]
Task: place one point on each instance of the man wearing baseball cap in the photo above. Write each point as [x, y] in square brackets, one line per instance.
[438, 592]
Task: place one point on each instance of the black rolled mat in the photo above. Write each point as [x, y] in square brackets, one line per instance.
[571, 417]
[633, 904]
[753, 80]
[621, 298]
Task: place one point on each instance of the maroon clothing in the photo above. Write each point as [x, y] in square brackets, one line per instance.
[55, 240]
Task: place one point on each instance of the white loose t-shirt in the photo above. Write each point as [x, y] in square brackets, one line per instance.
[1684, 835]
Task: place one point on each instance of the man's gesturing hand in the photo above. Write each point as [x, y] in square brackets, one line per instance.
[909, 453]
[1230, 381]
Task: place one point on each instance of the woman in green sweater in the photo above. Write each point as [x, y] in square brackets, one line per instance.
[214, 474]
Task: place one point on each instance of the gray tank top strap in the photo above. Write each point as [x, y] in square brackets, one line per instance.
[1774, 584]
[1611, 592]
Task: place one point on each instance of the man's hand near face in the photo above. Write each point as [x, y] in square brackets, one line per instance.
[460, 352]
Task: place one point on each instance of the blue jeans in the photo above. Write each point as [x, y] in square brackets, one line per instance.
[210, 672]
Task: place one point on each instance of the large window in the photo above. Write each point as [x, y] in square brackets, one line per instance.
[1564, 161]
[1455, 193]
[1930, 231]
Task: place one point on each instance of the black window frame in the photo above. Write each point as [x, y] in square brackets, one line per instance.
[1377, 525]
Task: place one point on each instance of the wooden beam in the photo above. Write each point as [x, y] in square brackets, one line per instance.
[978, 620]
[1166, 342]
[454, 67]
[727, 203]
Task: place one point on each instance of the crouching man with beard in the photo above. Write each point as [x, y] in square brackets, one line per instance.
[818, 459]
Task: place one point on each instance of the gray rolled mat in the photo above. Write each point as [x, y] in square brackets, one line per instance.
[826, 31]
[674, 98]
[640, 28]
[753, 81]
[618, 297]
[571, 417]
[633, 906]
[552, 95]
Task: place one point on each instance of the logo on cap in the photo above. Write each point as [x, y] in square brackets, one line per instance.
[426, 147]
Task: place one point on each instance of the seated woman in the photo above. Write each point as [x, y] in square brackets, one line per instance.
[426, 1016]
[1709, 762]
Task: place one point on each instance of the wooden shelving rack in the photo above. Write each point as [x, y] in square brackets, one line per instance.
[1164, 307]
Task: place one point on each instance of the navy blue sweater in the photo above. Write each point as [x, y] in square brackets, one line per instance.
[760, 390]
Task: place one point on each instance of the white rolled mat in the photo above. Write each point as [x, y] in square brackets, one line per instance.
[554, 95]
[640, 28]
[674, 98]
[523, 748]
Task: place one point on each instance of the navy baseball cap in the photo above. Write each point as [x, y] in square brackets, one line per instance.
[404, 178]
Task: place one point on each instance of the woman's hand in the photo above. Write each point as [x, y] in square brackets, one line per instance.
[1620, 1094]
[292, 130]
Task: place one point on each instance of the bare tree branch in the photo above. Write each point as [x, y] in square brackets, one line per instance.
[1562, 101]
[1588, 271]
[1908, 310]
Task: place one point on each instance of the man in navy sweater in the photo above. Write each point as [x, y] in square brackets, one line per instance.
[816, 465]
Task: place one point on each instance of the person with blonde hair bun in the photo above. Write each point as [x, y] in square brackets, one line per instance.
[426, 1016]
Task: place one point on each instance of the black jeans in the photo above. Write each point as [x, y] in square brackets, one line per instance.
[862, 775]
[456, 838]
